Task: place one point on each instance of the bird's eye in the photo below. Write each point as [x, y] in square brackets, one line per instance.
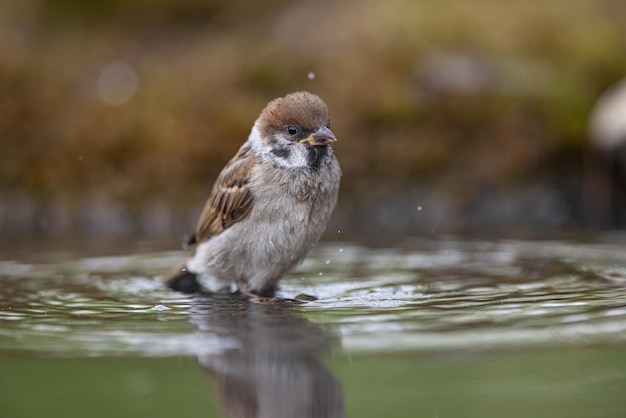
[291, 130]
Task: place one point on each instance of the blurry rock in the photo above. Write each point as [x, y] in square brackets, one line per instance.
[605, 177]
[607, 125]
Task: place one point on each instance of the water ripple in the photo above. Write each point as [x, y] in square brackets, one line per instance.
[439, 295]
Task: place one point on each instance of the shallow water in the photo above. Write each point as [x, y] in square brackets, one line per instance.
[430, 328]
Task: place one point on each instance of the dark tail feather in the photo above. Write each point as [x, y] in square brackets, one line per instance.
[182, 280]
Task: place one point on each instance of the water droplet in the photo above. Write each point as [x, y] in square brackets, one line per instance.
[160, 308]
[341, 250]
[339, 231]
[327, 262]
[311, 75]
[320, 273]
[419, 208]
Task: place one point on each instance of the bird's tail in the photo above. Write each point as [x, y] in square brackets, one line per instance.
[181, 279]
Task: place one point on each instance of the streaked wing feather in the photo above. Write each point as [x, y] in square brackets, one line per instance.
[230, 200]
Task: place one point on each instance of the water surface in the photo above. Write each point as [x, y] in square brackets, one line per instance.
[429, 328]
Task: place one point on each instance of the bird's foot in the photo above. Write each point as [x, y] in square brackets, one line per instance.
[303, 297]
[267, 296]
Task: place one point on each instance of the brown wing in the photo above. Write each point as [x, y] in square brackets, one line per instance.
[231, 199]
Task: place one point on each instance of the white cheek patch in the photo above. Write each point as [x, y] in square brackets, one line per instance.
[297, 155]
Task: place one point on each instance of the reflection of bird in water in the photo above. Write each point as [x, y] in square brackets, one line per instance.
[271, 366]
[605, 188]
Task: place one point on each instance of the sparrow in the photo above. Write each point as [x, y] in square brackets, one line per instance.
[269, 205]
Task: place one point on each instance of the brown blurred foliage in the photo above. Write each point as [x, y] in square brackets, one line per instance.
[432, 101]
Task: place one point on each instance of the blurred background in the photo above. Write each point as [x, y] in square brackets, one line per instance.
[482, 117]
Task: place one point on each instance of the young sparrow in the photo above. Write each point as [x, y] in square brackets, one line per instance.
[270, 204]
